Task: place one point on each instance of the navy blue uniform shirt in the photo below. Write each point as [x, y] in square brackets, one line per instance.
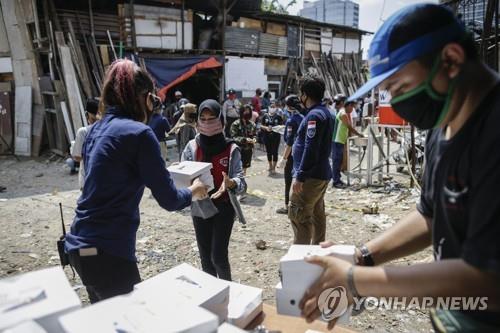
[291, 127]
[160, 126]
[311, 149]
[121, 156]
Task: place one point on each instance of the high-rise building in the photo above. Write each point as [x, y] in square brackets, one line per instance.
[341, 12]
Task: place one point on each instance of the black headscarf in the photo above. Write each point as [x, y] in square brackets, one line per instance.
[216, 144]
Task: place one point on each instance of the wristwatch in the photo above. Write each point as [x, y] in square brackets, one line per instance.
[366, 256]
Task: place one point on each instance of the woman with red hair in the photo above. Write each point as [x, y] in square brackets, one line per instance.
[122, 157]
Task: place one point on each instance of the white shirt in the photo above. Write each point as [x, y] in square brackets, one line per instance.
[76, 150]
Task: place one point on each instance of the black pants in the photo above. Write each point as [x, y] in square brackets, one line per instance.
[104, 275]
[272, 146]
[288, 178]
[212, 236]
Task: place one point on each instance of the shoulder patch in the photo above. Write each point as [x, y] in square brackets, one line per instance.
[311, 129]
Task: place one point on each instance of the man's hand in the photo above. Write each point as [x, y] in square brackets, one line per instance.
[198, 189]
[358, 257]
[297, 187]
[281, 163]
[334, 275]
[226, 184]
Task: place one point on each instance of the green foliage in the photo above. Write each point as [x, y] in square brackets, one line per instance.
[275, 6]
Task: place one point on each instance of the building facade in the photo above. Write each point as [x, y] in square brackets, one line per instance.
[341, 12]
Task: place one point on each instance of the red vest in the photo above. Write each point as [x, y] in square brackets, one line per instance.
[220, 163]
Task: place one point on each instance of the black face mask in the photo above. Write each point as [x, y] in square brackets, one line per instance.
[303, 110]
[423, 106]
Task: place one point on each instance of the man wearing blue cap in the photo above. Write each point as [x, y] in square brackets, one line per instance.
[425, 58]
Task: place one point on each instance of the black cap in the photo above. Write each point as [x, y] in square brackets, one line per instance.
[92, 105]
[231, 91]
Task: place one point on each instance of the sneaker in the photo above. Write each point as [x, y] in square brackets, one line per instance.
[340, 185]
[282, 210]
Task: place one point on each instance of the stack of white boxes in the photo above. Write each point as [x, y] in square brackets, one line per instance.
[35, 300]
[185, 172]
[297, 275]
[232, 302]
[140, 313]
[191, 286]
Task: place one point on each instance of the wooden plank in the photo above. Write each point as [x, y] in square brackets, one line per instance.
[276, 29]
[248, 23]
[104, 55]
[22, 122]
[67, 122]
[6, 114]
[80, 62]
[72, 88]
[4, 42]
[37, 129]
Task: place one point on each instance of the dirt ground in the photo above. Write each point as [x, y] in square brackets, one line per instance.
[30, 224]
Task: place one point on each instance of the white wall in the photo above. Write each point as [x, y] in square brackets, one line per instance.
[245, 74]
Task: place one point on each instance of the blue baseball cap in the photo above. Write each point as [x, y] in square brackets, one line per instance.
[408, 34]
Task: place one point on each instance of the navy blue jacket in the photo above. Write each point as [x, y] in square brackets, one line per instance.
[312, 147]
[291, 127]
[160, 126]
[121, 156]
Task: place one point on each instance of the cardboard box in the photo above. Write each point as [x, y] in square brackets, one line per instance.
[287, 303]
[41, 296]
[185, 172]
[245, 303]
[137, 313]
[296, 273]
[228, 328]
[191, 286]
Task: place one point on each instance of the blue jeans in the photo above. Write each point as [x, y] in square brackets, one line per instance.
[337, 156]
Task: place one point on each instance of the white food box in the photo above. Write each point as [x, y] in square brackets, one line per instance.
[189, 285]
[185, 172]
[139, 314]
[228, 328]
[245, 303]
[41, 296]
[287, 303]
[296, 273]
[26, 327]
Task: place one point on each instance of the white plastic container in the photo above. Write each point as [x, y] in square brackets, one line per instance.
[41, 296]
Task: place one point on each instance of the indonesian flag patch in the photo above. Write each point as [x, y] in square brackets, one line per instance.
[311, 129]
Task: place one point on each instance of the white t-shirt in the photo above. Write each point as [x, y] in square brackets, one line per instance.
[81, 134]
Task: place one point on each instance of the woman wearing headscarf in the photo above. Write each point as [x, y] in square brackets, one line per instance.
[214, 225]
[185, 129]
[122, 157]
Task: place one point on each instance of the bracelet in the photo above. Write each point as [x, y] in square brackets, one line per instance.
[350, 283]
[366, 256]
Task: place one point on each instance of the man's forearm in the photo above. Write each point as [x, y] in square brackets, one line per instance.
[445, 278]
[411, 234]
[286, 153]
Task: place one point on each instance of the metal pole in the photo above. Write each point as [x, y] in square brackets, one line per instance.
[182, 23]
[370, 158]
[413, 154]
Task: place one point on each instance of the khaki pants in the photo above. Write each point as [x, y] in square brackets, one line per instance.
[307, 212]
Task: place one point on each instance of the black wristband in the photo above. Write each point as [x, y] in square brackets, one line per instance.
[366, 256]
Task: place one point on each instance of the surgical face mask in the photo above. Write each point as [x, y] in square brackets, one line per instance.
[210, 127]
[423, 106]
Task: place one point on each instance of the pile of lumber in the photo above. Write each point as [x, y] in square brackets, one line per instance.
[342, 75]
